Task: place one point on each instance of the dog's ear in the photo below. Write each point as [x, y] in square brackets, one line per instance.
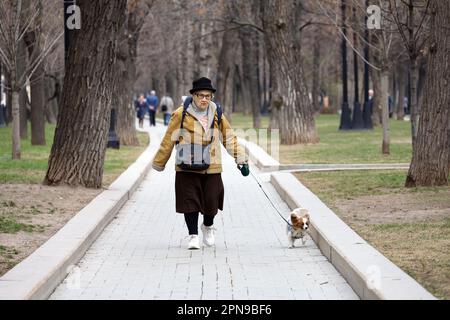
[294, 217]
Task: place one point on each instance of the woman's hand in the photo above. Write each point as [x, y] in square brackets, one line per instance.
[244, 168]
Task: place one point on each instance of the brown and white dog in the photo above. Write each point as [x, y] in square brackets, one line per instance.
[300, 224]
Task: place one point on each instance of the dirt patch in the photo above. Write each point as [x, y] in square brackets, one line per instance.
[395, 208]
[410, 229]
[31, 214]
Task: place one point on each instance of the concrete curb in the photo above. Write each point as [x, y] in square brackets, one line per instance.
[369, 273]
[341, 167]
[39, 274]
[259, 157]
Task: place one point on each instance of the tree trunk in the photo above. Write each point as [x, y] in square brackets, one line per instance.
[290, 95]
[126, 69]
[401, 86]
[23, 96]
[37, 89]
[430, 162]
[227, 68]
[8, 93]
[414, 71]
[79, 147]
[385, 112]
[316, 72]
[49, 104]
[37, 107]
[250, 73]
[37, 92]
[206, 55]
[16, 148]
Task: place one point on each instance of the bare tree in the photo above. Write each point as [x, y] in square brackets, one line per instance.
[32, 39]
[430, 162]
[137, 12]
[290, 94]
[79, 147]
[16, 19]
[410, 18]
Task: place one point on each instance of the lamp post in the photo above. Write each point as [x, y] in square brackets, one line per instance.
[345, 114]
[113, 139]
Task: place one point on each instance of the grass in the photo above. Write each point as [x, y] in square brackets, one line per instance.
[242, 121]
[32, 167]
[420, 249]
[351, 146]
[335, 185]
[337, 146]
[8, 256]
[11, 226]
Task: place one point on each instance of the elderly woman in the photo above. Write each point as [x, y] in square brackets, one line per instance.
[196, 129]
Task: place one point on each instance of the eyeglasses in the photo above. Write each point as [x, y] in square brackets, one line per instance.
[204, 96]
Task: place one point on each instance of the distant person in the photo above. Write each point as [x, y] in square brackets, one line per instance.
[166, 107]
[371, 94]
[142, 109]
[152, 101]
[390, 106]
[405, 105]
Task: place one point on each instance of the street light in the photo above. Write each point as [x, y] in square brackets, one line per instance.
[345, 113]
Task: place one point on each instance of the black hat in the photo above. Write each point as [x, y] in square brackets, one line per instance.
[202, 84]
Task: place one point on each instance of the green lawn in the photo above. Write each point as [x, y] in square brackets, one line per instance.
[337, 146]
[334, 185]
[34, 159]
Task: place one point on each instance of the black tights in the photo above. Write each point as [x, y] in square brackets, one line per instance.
[192, 221]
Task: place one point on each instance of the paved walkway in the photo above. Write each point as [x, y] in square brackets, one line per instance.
[142, 253]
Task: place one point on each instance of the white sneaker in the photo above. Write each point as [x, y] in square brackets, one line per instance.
[194, 243]
[208, 235]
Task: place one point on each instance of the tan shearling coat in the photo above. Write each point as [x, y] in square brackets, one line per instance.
[194, 132]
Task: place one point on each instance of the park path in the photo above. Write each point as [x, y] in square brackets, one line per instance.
[142, 253]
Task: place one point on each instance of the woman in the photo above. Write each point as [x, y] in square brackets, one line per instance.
[142, 109]
[196, 128]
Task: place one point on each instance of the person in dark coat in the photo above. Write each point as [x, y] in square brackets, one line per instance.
[152, 102]
[142, 109]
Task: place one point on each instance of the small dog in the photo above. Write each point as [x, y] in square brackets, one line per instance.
[300, 225]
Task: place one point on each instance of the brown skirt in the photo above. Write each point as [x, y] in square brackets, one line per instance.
[198, 192]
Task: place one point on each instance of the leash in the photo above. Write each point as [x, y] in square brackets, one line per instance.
[273, 205]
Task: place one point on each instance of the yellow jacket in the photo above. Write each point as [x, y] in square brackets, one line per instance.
[194, 132]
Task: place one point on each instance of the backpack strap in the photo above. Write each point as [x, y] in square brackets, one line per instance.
[187, 103]
[219, 114]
